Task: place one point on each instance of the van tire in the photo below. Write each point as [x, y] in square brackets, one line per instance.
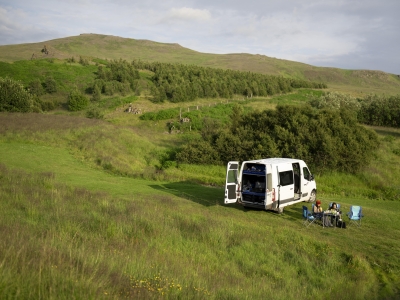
[313, 196]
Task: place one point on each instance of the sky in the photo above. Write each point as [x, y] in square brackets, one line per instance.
[346, 34]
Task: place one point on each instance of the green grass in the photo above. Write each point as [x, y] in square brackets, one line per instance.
[62, 240]
[74, 228]
[66, 75]
[88, 213]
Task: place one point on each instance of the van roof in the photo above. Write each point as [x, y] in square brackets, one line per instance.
[274, 160]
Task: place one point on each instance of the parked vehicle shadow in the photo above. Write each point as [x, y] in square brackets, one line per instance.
[207, 196]
[204, 195]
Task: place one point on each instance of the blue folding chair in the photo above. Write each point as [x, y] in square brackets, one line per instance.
[355, 215]
[308, 217]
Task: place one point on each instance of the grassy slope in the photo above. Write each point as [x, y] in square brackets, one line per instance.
[247, 249]
[123, 235]
[111, 47]
[75, 230]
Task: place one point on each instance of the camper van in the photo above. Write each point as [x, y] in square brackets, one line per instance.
[270, 183]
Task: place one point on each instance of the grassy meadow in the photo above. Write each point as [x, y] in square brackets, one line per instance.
[73, 227]
[92, 209]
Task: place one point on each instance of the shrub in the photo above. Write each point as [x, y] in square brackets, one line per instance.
[94, 113]
[83, 61]
[96, 95]
[334, 100]
[14, 97]
[380, 110]
[35, 87]
[326, 139]
[50, 85]
[77, 101]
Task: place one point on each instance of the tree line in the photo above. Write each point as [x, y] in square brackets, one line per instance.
[180, 83]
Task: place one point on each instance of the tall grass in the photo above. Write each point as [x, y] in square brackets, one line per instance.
[84, 220]
[64, 242]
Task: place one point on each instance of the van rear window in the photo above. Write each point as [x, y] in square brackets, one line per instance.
[286, 178]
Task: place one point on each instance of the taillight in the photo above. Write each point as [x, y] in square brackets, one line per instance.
[273, 194]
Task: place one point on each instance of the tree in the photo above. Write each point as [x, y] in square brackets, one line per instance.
[50, 85]
[77, 101]
[14, 97]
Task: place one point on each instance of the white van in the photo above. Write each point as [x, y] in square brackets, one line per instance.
[270, 183]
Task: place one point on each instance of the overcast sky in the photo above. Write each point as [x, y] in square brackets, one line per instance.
[347, 34]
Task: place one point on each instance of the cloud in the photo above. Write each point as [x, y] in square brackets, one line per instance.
[186, 14]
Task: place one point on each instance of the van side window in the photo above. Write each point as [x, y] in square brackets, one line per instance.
[286, 178]
[306, 174]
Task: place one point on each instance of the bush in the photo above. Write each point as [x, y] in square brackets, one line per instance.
[96, 95]
[325, 139]
[380, 110]
[50, 85]
[94, 113]
[35, 87]
[334, 100]
[14, 97]
[77, 101]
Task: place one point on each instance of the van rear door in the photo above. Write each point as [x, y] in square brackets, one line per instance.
[232, 184]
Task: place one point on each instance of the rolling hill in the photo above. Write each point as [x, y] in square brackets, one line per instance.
[356, 82]
[97, 209]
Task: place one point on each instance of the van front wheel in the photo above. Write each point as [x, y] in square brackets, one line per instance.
[313, 196]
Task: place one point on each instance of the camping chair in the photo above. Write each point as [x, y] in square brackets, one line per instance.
[355, 215]
[316, 216]
[308, 217]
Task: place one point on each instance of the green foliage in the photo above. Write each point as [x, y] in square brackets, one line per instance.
[14, 97]
[380, 110]
[50, 85]
[96, 95]
[94, 113]
[165, 114]
[83, 61]
[35, 87]
[180, 83]
[66, 76]
[166, 159]
[326, 139]
[43, 105]
[335, 100]
[77, 101]
[198, 152]
[71, 60]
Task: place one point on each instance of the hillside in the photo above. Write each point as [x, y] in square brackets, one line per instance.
[96, 206]
[356, 82]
